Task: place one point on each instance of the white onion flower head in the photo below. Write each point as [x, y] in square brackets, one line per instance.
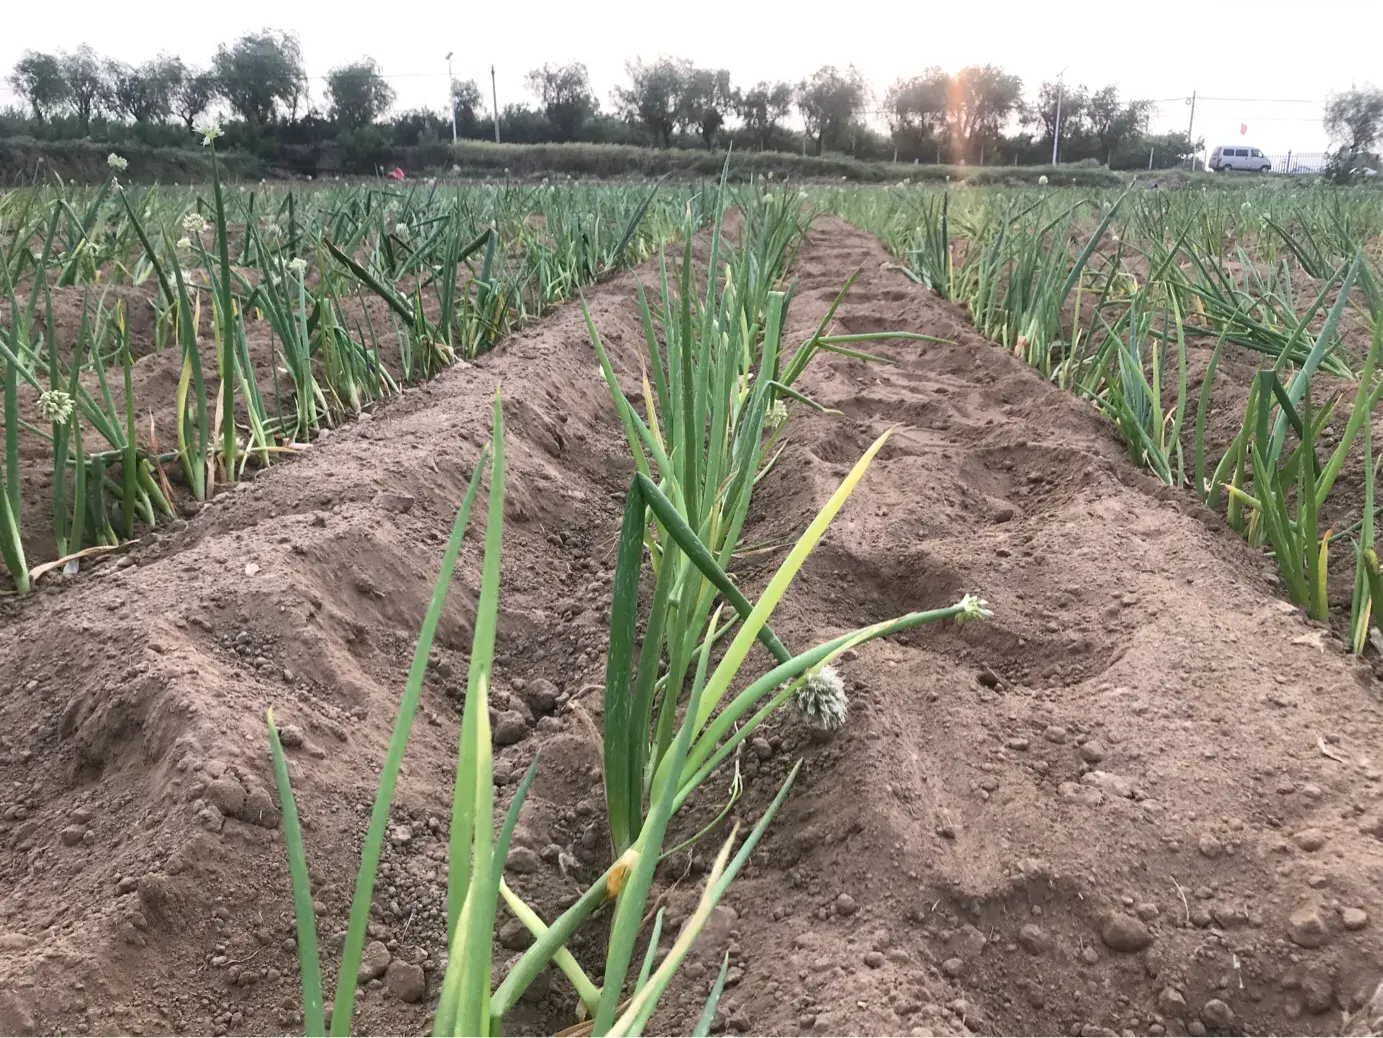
[822, 701]
[974, 608]
[297, 265]
[184, 243]
[210, 130]
[194, 222]
[1042, 180]
[402, 230]
[114, 161]
[55, 405]
[777, 414]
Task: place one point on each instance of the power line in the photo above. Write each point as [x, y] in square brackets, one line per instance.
[1270, 100]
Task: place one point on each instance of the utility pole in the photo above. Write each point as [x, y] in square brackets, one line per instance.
[494, 102]
[451, 98]
[1056, 126]
[1190, 141]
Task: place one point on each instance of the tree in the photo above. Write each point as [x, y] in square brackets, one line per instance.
[762, 108]
[467, 103]
[259, 72]
[1042, 114]
[706, 101]
[655, 98]
[982, 99]
[38, 78]
[829, 101]
[146, 93]
[1113, 122]
[358, 94]
[418, 125]
[193, 95]
[1354, 119]
[916, 109]
[1166, 151]
[88, 88]
[566, 96]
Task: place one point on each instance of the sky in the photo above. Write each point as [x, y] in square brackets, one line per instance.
[1268, 66]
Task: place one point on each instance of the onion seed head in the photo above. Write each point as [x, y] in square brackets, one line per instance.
[822, 700]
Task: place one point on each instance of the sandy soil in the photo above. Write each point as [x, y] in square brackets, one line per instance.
[1143, 798]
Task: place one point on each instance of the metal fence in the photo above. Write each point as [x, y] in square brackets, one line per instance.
[1298, 162]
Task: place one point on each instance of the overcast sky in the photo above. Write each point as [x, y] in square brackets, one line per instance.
[1267, 65]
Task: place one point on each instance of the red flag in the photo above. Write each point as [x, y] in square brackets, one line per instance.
[1243, 129]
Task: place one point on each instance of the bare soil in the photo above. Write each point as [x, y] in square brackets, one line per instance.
[1144, 798]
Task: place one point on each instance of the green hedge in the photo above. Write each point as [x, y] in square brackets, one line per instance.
[24, 160]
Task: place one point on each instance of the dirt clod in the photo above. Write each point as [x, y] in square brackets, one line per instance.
[1310, 839]
[1217, 1014]
[1033, 939]
[389, 501]
[374, 961]
[510, 728]
[1125, 933]
[1306, 927]
[405, 981]
[1171, 1002]
[523, 860]
[1092, 752]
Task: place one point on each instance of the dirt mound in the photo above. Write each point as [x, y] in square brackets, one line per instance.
[1140, 798]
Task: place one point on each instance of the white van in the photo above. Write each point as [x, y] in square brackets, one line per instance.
[1245, 160]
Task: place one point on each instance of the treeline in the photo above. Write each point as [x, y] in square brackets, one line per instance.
[977, 116]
